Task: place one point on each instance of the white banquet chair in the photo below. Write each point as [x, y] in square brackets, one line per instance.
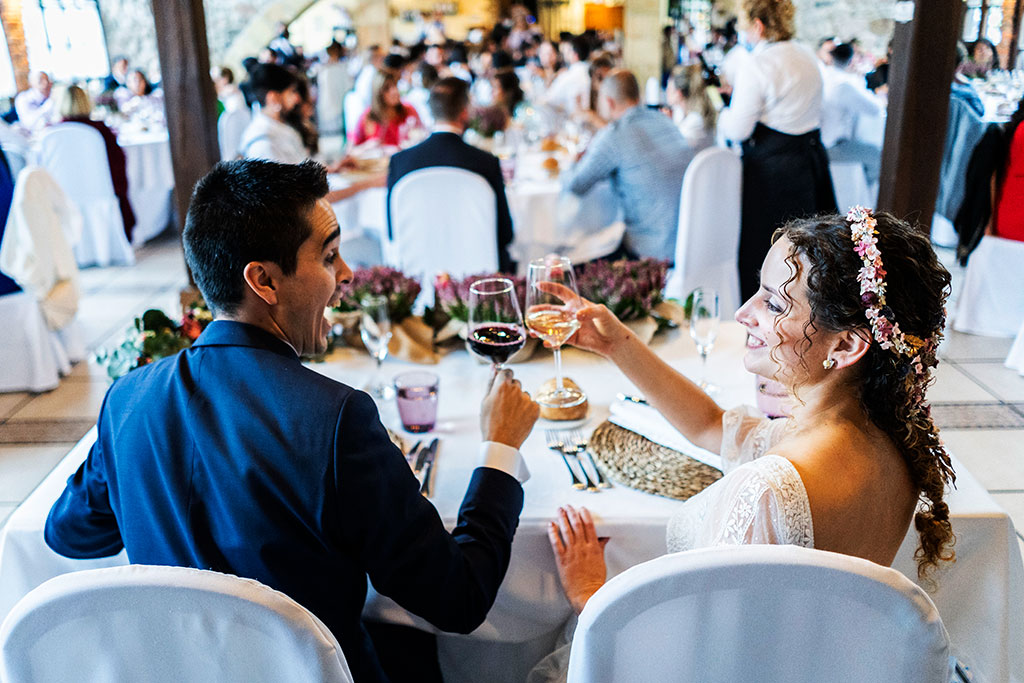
[165, 625]
[443, 219]
[32, 357]
[767, 613]
[707, 242]
[991, 301]
[76, 156]
[230, 127]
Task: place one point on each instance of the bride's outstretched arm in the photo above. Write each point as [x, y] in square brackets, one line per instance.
[682, 402]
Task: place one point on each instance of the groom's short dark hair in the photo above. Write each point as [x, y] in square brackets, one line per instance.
[244, 211]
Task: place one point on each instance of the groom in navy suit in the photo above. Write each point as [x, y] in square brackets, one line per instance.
[449, 105]
[235, 457]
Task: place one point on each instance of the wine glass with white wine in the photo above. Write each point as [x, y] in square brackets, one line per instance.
[704, 318]
[375, 331]
[548, 318]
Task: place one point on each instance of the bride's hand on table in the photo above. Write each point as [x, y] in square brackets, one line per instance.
[600, 331]
[579, 554]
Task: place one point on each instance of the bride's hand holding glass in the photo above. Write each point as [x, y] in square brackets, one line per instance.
[599, 330]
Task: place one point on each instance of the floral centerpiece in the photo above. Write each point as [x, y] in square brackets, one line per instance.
[411, 338]
[632, 290]
[486, 121]
[152, 337]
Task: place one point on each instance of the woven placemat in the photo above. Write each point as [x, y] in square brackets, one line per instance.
[639, 463]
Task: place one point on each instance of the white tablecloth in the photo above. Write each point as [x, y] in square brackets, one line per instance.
[979, 598]
[150, 181]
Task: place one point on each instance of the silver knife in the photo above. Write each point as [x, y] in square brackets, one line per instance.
[421, 456]
[431, 453]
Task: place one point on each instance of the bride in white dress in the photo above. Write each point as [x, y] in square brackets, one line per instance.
[859, 459]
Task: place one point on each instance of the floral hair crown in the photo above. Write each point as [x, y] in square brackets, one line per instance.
[884, 328]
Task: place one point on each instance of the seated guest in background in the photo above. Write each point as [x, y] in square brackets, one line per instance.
[981, 59]
[229, 96]
[34, 106]
[825, 47]
[268, 135]
[389, 121]
[644, 156]
[844, 99]
[691, 107]
[449, 105]
[877, 79]
[571, 88]
[333, 81]
[254, 465]
[859, 460]
[422, 79]
[118, 77]
[961, 89]
[73, 105]
[1008, 214]
[601, 65]
[506, 91]
[140, 97]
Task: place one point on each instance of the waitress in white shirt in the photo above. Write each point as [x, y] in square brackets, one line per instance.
[776, 112]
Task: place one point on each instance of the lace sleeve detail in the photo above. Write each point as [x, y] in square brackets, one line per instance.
[762, 502]
[747, 435]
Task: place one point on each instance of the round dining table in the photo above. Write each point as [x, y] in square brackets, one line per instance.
[978, 597]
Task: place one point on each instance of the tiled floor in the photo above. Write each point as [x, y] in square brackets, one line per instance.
[978, 402]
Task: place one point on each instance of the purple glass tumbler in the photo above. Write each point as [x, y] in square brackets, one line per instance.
[416, 393]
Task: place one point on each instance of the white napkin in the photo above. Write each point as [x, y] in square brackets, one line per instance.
[649, 423]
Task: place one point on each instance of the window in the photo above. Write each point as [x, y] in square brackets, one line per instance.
[8, 88]
[65, 38]
[988, 11]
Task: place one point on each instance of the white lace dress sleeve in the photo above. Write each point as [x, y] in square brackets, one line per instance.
[761, 499]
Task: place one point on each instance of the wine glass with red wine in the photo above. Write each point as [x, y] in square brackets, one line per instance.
[496, 328]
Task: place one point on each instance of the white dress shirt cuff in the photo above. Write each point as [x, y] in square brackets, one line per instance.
[505, 458]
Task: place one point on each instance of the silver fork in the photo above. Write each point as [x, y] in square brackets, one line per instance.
[555, 443]
[581, 447]
[570, 448]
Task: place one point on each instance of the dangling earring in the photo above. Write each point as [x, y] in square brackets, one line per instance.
[828, 363]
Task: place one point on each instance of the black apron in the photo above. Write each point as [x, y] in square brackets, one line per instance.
[784, 177]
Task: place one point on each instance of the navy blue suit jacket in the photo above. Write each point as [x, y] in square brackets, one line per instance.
[235, 457]
[448, 149]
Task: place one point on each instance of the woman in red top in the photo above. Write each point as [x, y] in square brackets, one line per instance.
[1008, 220]
[388, 120]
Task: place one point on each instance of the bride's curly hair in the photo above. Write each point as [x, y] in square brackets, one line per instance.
[917, 288]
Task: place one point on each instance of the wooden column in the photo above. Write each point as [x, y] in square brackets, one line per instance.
[189, 97]
[919, 85]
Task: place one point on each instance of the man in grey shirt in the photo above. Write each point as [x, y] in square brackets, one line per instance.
[644, 156]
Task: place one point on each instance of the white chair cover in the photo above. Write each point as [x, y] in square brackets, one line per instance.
[991, 302]
[31, 356]
[1015, 359]
[768, 613]
[851, 185]
[443, 219]
[164, 624]
[75, 155]
[707, 243]
[36, 250]
[230, 127]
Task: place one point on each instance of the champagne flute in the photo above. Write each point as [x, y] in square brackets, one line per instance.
[548, 318]
[375, 331]
[704, 319]
[495, 321]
